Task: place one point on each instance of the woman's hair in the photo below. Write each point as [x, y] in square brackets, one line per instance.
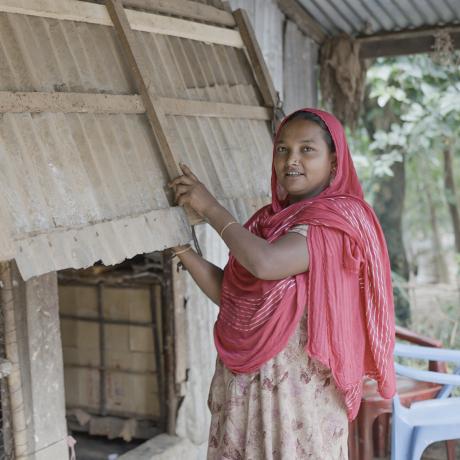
[316, 119]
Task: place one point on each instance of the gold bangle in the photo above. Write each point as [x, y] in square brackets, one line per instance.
[230, 223]
[182, 251]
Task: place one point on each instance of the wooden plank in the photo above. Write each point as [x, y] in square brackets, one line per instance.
[185, 8]
[414, 33]
[72, 10]
[306, 23]
[214, 109]
[260, 69]
[155, 114]
[35, 102]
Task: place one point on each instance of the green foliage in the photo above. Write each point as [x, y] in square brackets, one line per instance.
[421, 101]
[422, 97]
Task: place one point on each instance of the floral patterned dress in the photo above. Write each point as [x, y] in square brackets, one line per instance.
[290, 409]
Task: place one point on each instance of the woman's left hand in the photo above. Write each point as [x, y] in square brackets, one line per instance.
[190, 191]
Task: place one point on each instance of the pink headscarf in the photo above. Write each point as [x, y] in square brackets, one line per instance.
[347, 289]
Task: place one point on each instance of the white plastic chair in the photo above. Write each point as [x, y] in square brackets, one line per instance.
[428, 421]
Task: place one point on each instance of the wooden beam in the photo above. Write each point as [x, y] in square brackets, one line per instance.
[214, 109]
[35, 102]
[260, 69]
[403, 34]
[185, 8]
[72, 10]
[306, 23]
[155, 115]
[404, 42]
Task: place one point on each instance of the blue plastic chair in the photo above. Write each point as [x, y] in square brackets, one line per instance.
[428, 421]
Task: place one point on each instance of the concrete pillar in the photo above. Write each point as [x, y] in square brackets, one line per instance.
[39, 366]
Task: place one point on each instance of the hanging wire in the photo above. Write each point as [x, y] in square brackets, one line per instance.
[180, 265]
[195, 241]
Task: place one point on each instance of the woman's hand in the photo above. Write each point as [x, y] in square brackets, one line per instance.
[190, 191]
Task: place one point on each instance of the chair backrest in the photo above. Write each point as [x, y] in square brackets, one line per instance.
[423, 352]
[417, 339]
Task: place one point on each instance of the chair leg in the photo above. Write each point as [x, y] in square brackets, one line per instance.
[450, 448]
[366, 448]
[352, 440]
[381, 427]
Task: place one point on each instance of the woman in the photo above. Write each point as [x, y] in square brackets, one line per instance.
[306, 305]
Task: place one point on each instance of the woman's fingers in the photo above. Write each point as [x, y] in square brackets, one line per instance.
[180, 180]
[181, 189]
[187, 171]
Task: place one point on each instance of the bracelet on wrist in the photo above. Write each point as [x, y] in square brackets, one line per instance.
[227, 225]
[175, 253]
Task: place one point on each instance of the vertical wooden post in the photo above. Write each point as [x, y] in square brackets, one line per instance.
[144, 83]
[102, 354]
[167, 300]
[158, 346]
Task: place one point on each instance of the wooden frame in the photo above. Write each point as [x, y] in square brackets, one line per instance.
[155, 114]
[138, 20]
[36, 102]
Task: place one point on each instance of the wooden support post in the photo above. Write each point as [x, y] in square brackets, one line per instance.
[169, 340]
[155, 114]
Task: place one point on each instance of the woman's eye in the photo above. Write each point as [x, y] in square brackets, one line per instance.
[280, 149]
[306, 149]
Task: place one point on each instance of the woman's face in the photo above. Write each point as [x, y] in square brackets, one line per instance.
[302, 150]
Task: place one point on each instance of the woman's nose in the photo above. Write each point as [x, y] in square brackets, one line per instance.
[292, 158]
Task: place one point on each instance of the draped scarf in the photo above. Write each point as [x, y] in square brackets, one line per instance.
[346, 290]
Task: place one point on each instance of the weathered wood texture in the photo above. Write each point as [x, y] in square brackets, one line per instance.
[185, 8]
[155, 113]
[88, 184]
[403, 43]
[259, 66]
[306, 23]
[267, 21]
[36, 102]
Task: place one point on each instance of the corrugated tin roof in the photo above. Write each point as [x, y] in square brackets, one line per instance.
[79, 187]
[356, 17]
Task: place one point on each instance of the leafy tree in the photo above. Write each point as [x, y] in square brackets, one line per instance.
[405, 148]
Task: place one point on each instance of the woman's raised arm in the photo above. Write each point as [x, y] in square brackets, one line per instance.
[286, 256]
